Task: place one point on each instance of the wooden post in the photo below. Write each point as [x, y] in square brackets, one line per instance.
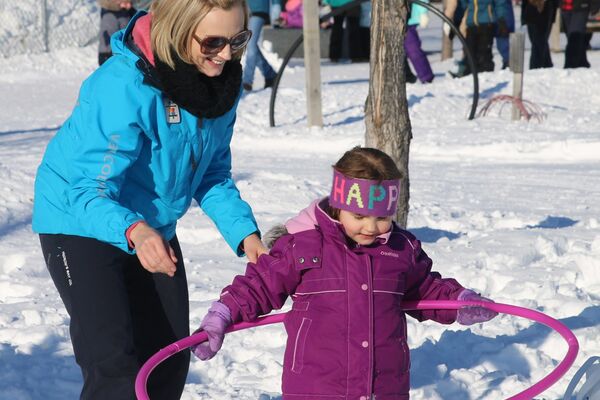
[312, 62]
[555, 34]
[446, 42]
[516, 62]
[44, 24]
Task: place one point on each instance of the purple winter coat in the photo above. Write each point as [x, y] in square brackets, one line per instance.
[346, 330]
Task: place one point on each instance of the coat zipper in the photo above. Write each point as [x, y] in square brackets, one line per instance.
[371, 324]
[193, 160]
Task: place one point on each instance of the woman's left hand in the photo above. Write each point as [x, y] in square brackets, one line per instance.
[253, 247]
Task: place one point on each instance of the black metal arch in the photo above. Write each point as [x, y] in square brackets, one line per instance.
[356, 3]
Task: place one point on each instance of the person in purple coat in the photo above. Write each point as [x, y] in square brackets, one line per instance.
[412, 43]
[348, 268]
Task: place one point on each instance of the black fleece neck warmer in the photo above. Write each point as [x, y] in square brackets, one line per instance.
[203, 96]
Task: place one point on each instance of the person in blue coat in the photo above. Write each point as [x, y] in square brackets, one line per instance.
[150, 132]
[485, 19]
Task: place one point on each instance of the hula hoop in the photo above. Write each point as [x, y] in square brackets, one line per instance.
[527, 394]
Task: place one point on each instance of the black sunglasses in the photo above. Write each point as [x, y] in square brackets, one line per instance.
[211, 45]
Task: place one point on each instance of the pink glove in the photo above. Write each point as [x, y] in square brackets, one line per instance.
[470, 315]
[214, 323]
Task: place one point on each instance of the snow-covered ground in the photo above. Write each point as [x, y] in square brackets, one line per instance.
[511, 209]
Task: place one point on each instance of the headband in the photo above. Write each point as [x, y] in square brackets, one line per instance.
[364, 196]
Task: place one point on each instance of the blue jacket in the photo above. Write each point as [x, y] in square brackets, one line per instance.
[259, 6]
[415, 13]
[118, 160]
[481, 12]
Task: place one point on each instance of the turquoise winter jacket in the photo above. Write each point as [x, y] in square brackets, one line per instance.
[415, 13]
[118, 160]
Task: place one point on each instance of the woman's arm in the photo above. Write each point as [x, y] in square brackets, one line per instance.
[220, 198]
[102, 143]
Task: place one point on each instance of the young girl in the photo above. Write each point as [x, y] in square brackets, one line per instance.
[348, 268]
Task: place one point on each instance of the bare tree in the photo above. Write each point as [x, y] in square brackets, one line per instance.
[386, 114]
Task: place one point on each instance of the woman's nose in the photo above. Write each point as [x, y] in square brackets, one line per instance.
[226, 52]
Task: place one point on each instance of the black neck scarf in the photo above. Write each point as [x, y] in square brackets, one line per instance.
[202, 96]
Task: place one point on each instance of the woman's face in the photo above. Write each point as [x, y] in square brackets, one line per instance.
[217, 22]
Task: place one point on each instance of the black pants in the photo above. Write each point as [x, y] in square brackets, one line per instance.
[121, 315]
[479, 40]
[576, 50]
[540, 50]
[336, 41]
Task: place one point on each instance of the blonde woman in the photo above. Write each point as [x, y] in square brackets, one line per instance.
[150, 133]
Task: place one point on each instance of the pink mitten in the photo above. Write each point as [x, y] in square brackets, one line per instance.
[214, 323]
[470, 315]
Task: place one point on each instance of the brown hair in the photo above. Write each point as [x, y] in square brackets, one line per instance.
[174, 22]
[365, 163]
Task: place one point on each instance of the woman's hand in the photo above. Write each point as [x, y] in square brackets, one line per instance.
[253, 247]
[153, 251]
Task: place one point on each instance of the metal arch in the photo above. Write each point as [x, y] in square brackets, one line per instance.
[356, 3]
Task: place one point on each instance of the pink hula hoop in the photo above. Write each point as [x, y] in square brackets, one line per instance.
[527, 394]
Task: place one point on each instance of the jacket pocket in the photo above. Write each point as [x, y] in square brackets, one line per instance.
[312, 284]
[393, 286]
[299, 345]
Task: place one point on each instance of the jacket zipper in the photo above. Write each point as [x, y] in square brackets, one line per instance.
[371, 324]
[193, 160]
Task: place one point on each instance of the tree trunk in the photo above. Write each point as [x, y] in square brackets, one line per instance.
[386, 114]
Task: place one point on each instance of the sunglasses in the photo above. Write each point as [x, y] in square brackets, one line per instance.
[212, 45]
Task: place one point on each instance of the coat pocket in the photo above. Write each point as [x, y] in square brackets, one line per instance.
[395, 286]
[299, 345]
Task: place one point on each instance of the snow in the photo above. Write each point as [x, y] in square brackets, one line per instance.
[510, 209]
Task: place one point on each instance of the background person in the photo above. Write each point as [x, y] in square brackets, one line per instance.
[114, 16]
[574, 14]
[539, 15]
[259, 15]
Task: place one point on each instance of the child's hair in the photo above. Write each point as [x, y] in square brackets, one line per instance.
[365, 163]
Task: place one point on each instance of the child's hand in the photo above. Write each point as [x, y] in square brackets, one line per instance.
[216, 321]
[470, 315]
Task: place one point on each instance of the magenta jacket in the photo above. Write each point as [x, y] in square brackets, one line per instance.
[346, 330]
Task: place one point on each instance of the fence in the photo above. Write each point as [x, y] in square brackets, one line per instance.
[35, 26]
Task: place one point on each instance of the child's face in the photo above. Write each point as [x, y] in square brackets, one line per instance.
[364, 229]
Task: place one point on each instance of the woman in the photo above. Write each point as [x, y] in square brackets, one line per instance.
[150, 132]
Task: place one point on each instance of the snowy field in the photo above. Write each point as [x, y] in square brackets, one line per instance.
[511, 209]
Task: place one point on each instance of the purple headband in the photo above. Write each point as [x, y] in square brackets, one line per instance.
[364, 196]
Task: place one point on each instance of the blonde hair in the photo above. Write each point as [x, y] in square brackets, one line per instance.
[175, 21]
[365, 163]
